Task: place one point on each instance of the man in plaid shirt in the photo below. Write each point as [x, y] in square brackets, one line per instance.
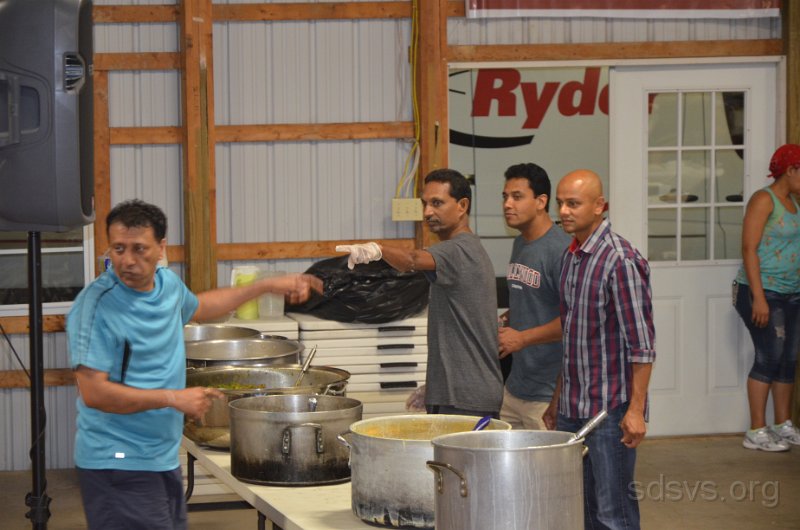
[609, 348]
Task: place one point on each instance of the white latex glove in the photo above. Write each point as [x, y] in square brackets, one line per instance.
[363, 253]
[416, 400]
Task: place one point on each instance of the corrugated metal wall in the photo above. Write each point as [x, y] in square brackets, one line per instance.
[15, 408]
[309, 72]
[586, 30]
[290, 72]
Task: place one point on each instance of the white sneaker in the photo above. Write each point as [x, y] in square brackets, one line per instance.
[787, 431]
[763, 440]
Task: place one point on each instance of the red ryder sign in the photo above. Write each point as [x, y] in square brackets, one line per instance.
[503, 88]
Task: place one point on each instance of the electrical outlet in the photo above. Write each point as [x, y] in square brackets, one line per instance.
[406, 210]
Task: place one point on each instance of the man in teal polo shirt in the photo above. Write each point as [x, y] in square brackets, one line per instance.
[125, 336]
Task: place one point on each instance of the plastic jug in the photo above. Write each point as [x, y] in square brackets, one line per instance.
[245, 276]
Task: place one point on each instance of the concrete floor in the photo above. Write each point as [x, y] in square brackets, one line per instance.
[687, 483]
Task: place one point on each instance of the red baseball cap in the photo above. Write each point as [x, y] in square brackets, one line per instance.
[785, 156]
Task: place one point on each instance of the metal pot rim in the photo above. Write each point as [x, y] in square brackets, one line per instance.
[266, 367]
[570, 441]
[196, 325]
[409, 418]
[237, 404]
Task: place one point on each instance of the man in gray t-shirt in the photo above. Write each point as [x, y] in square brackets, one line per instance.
[463, 375]
[534, 331]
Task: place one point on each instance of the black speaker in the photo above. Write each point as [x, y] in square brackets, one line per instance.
[46, 151]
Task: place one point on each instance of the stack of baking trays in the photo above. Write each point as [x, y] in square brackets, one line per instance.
[386, 361]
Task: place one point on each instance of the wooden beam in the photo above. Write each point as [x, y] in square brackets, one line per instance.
[456, 9]
[134, 14]
[52, 377]
[268, 133]
[19, 325]
[199, 240]
[791, 48]
[316, 131]
[790, 13]
[102, 161]
[311, 11]
[175, 253]
[209, 144]
[294, 250]
[614, 51]
[264, 12]
[432, 94]
[146, 135]
[137, 61]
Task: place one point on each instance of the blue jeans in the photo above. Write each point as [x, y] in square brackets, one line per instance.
[775, 344]
[607, 474]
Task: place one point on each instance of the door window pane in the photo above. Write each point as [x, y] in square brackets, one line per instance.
[729, 176]
[696, 115]
[695, 176]
[663, 124]
[731, 104]
[728, 232]
[694, 234]
[662, 171]
[661, 239]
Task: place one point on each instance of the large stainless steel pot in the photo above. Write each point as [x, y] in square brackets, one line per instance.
[390, 484]
[515, 480]
[290, 440]
[213, 429]
[195, 332]
[243, 351]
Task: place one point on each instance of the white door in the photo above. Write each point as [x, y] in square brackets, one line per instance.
[689, 145]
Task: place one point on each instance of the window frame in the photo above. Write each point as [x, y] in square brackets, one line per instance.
[56, 308]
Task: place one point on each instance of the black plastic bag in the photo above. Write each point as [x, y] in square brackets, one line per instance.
[372, 293]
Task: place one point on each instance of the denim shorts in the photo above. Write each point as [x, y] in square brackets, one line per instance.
[775, 344]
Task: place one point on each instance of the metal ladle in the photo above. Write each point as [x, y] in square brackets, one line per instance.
[306, 364]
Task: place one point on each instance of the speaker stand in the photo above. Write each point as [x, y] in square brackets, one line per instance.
[37, 500]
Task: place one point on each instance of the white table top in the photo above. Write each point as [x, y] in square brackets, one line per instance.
[291, 508]
[273, 324]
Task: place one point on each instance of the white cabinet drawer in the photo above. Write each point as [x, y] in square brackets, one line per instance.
[407, 367]
[370, 353]
[386, 343]
[400, 386]
[413, 374]
[385, 331]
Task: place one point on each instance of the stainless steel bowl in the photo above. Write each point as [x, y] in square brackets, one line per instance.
[198, 332]
[240, 352]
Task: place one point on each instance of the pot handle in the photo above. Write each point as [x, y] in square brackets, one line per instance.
[434, 465]
[343, 440]
[286, 439]
[335, 389]
[589, 427]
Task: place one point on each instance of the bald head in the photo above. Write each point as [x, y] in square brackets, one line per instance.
[580, 203]
[587, 181]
